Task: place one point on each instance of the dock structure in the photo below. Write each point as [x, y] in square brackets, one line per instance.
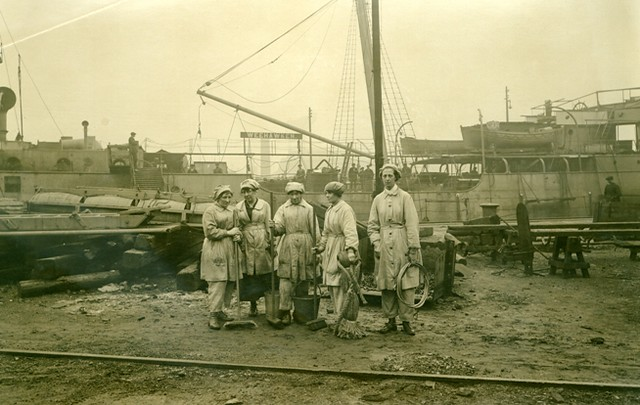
[569, 238]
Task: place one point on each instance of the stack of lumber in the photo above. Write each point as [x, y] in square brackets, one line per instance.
[43, 265]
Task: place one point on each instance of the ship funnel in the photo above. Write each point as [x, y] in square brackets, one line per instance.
[7, 101]
[85, 124]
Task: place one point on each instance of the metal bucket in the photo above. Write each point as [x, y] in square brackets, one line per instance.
[271, 304]
[304, 310]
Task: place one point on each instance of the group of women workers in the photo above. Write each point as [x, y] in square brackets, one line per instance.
[239, 240]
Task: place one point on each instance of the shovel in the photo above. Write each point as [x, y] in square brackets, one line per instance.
[318, 323]
[272, 304]
[238, 324]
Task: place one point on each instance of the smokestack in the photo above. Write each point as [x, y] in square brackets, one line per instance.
[85, 124]
[7, 101]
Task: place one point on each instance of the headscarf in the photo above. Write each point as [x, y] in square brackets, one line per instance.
[250, 183]
[396, 171]
[294, 186]
[219, 190]
[335, 187]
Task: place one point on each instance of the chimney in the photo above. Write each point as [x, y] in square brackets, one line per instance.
[85, 124]
[7, 101]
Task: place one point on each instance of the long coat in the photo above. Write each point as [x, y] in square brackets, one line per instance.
[255, 237]
[339, 233]
[295, 251]
[393, 229]
[219, 252]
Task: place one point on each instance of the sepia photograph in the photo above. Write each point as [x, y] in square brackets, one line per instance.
[319, 201]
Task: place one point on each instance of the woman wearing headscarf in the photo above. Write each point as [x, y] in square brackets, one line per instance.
[393, 231]
[218, 261]
[296, 222]
[339, 234]
[254, 216]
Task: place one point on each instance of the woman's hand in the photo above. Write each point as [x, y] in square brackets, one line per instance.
[352, 256]
[413, 254]
[235, 231]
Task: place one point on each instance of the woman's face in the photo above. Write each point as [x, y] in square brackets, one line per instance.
[295, 197]
[249, 195]
[388, 178]
[331, 197]
[225, 199]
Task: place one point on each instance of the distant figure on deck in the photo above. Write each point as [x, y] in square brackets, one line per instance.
[300, 175]
[218, 169]
[612, 191]
[406, 175]
[192, 168]
[353, 177]
[133, 150]
[366, 177]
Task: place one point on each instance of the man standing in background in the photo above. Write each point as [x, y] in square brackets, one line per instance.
[133, 150]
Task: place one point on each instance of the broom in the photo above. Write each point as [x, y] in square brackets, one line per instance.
[347, 326]
[238, 324]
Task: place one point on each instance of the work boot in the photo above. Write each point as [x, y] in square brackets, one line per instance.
[389, 326]
[285, 316]
[406, 328]
[254, 309]
[215, 323]
[223, 317]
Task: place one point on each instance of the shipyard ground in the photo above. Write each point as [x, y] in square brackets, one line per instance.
[500, 323]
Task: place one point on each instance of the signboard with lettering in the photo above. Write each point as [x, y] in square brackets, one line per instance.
[270, 135]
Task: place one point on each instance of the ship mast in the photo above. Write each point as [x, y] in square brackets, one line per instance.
[378, 132]
[20, 94]
[370, 44]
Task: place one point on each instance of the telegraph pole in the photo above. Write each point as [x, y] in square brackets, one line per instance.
[507, 105]
[310, 148]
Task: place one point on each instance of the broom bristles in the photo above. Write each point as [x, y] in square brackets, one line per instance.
[350, 330]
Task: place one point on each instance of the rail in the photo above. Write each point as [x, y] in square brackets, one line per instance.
[448, 378]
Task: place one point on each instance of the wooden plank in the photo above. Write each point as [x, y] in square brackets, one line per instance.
[137, 259]
[546, 225]
[188, 279]
[67, 233]
[585, 232]
[50, 268]
[32, 288]
[525, 242]
[627, 243]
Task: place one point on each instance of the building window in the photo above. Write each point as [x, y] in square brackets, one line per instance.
[12, 184]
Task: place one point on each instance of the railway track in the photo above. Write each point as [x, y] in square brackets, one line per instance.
[372, 375]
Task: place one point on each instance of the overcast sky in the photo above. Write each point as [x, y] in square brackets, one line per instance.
[135, 65]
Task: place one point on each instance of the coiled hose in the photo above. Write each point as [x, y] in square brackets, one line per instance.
[401, 274]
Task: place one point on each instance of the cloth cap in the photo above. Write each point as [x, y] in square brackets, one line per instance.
[250, 183]
[133, 134]
[335, 187]
[396, 171]
[294, 186]
[609, 178]
[219, 190]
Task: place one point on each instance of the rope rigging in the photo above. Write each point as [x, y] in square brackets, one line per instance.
[396, 119]
[217, 78]
[295, 86]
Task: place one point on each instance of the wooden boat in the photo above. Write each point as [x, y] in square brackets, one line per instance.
[41, 223]
[512, 135]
